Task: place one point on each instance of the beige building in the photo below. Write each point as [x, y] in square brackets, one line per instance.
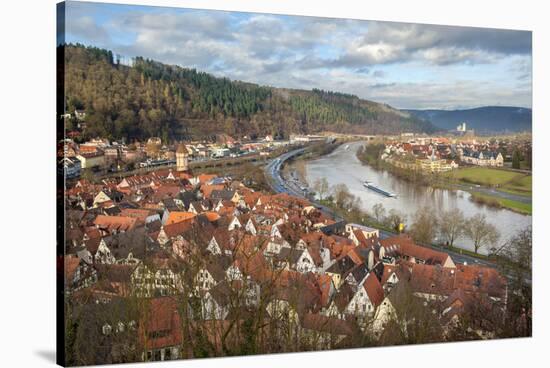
[434, 166]
[90, 160]
[182, 158]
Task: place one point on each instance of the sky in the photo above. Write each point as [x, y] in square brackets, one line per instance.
[406, 65]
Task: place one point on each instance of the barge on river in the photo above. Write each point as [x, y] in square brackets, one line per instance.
[374, 188]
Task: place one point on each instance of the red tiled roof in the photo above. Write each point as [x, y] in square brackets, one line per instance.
[355, 257]
[325, 282]
[177, 228]
[211, 216]
[140, 214]
[162, 324]
[432, 279]
[472, 278]
[321, 323]
[205, 178]
[207, 189]
[374, 289]
[406, 246]
[118, 223]
[177, 216]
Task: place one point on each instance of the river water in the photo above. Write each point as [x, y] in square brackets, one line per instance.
[342, 166]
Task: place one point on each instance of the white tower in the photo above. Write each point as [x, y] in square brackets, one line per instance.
[182, 154]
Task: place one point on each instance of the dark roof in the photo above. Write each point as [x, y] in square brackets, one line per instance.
[187, 198]
[170, 204]
[476, 154]
[153, 226]
[344, 296]
[289, 254]
[221, 293]
[215, 268]
[336, 228]
[133, 241]
[224, 194]
[74, 216]
[127, 204]
[342, 266]
[359, 272]
[112, 211]
[115, 272]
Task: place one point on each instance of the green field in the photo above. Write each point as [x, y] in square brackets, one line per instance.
[520, 207]
[522, 186]
[485, 176]
[508, 181]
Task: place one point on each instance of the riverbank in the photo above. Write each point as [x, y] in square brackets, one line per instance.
[296, 166]
[496, 188]
[343, 167]
[363, 218]
[354, 214]
[497, 202]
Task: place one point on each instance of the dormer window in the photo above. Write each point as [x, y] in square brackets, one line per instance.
[120, 327]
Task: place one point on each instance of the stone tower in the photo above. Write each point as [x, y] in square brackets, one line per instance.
[182, 154]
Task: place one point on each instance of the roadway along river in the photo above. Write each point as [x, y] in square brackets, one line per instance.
[342, 166]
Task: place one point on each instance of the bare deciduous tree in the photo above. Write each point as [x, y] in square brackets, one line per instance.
[451, 225]
[395, 219]
[322, 188]
[424, 227]
[481, 232]
[342, 196]
[516, 262]
[379, 212]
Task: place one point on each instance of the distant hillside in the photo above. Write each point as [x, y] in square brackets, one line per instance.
[153, 99]
[490, 119]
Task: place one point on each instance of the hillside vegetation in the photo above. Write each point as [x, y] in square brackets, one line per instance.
[153, 99]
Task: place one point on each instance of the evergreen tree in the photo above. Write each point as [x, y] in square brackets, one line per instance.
[516, 159]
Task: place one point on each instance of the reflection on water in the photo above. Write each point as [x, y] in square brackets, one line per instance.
[342, 166]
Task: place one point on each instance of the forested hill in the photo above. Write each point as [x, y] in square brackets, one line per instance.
[488, 119]
[153, 99]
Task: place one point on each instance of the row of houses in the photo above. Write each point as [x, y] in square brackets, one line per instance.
[440, 154]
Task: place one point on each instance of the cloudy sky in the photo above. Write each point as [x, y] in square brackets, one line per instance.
[404, 65]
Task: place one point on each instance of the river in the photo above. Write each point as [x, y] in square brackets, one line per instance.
[342, 166]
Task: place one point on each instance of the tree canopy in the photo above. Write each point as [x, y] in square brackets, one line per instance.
[150, 98]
